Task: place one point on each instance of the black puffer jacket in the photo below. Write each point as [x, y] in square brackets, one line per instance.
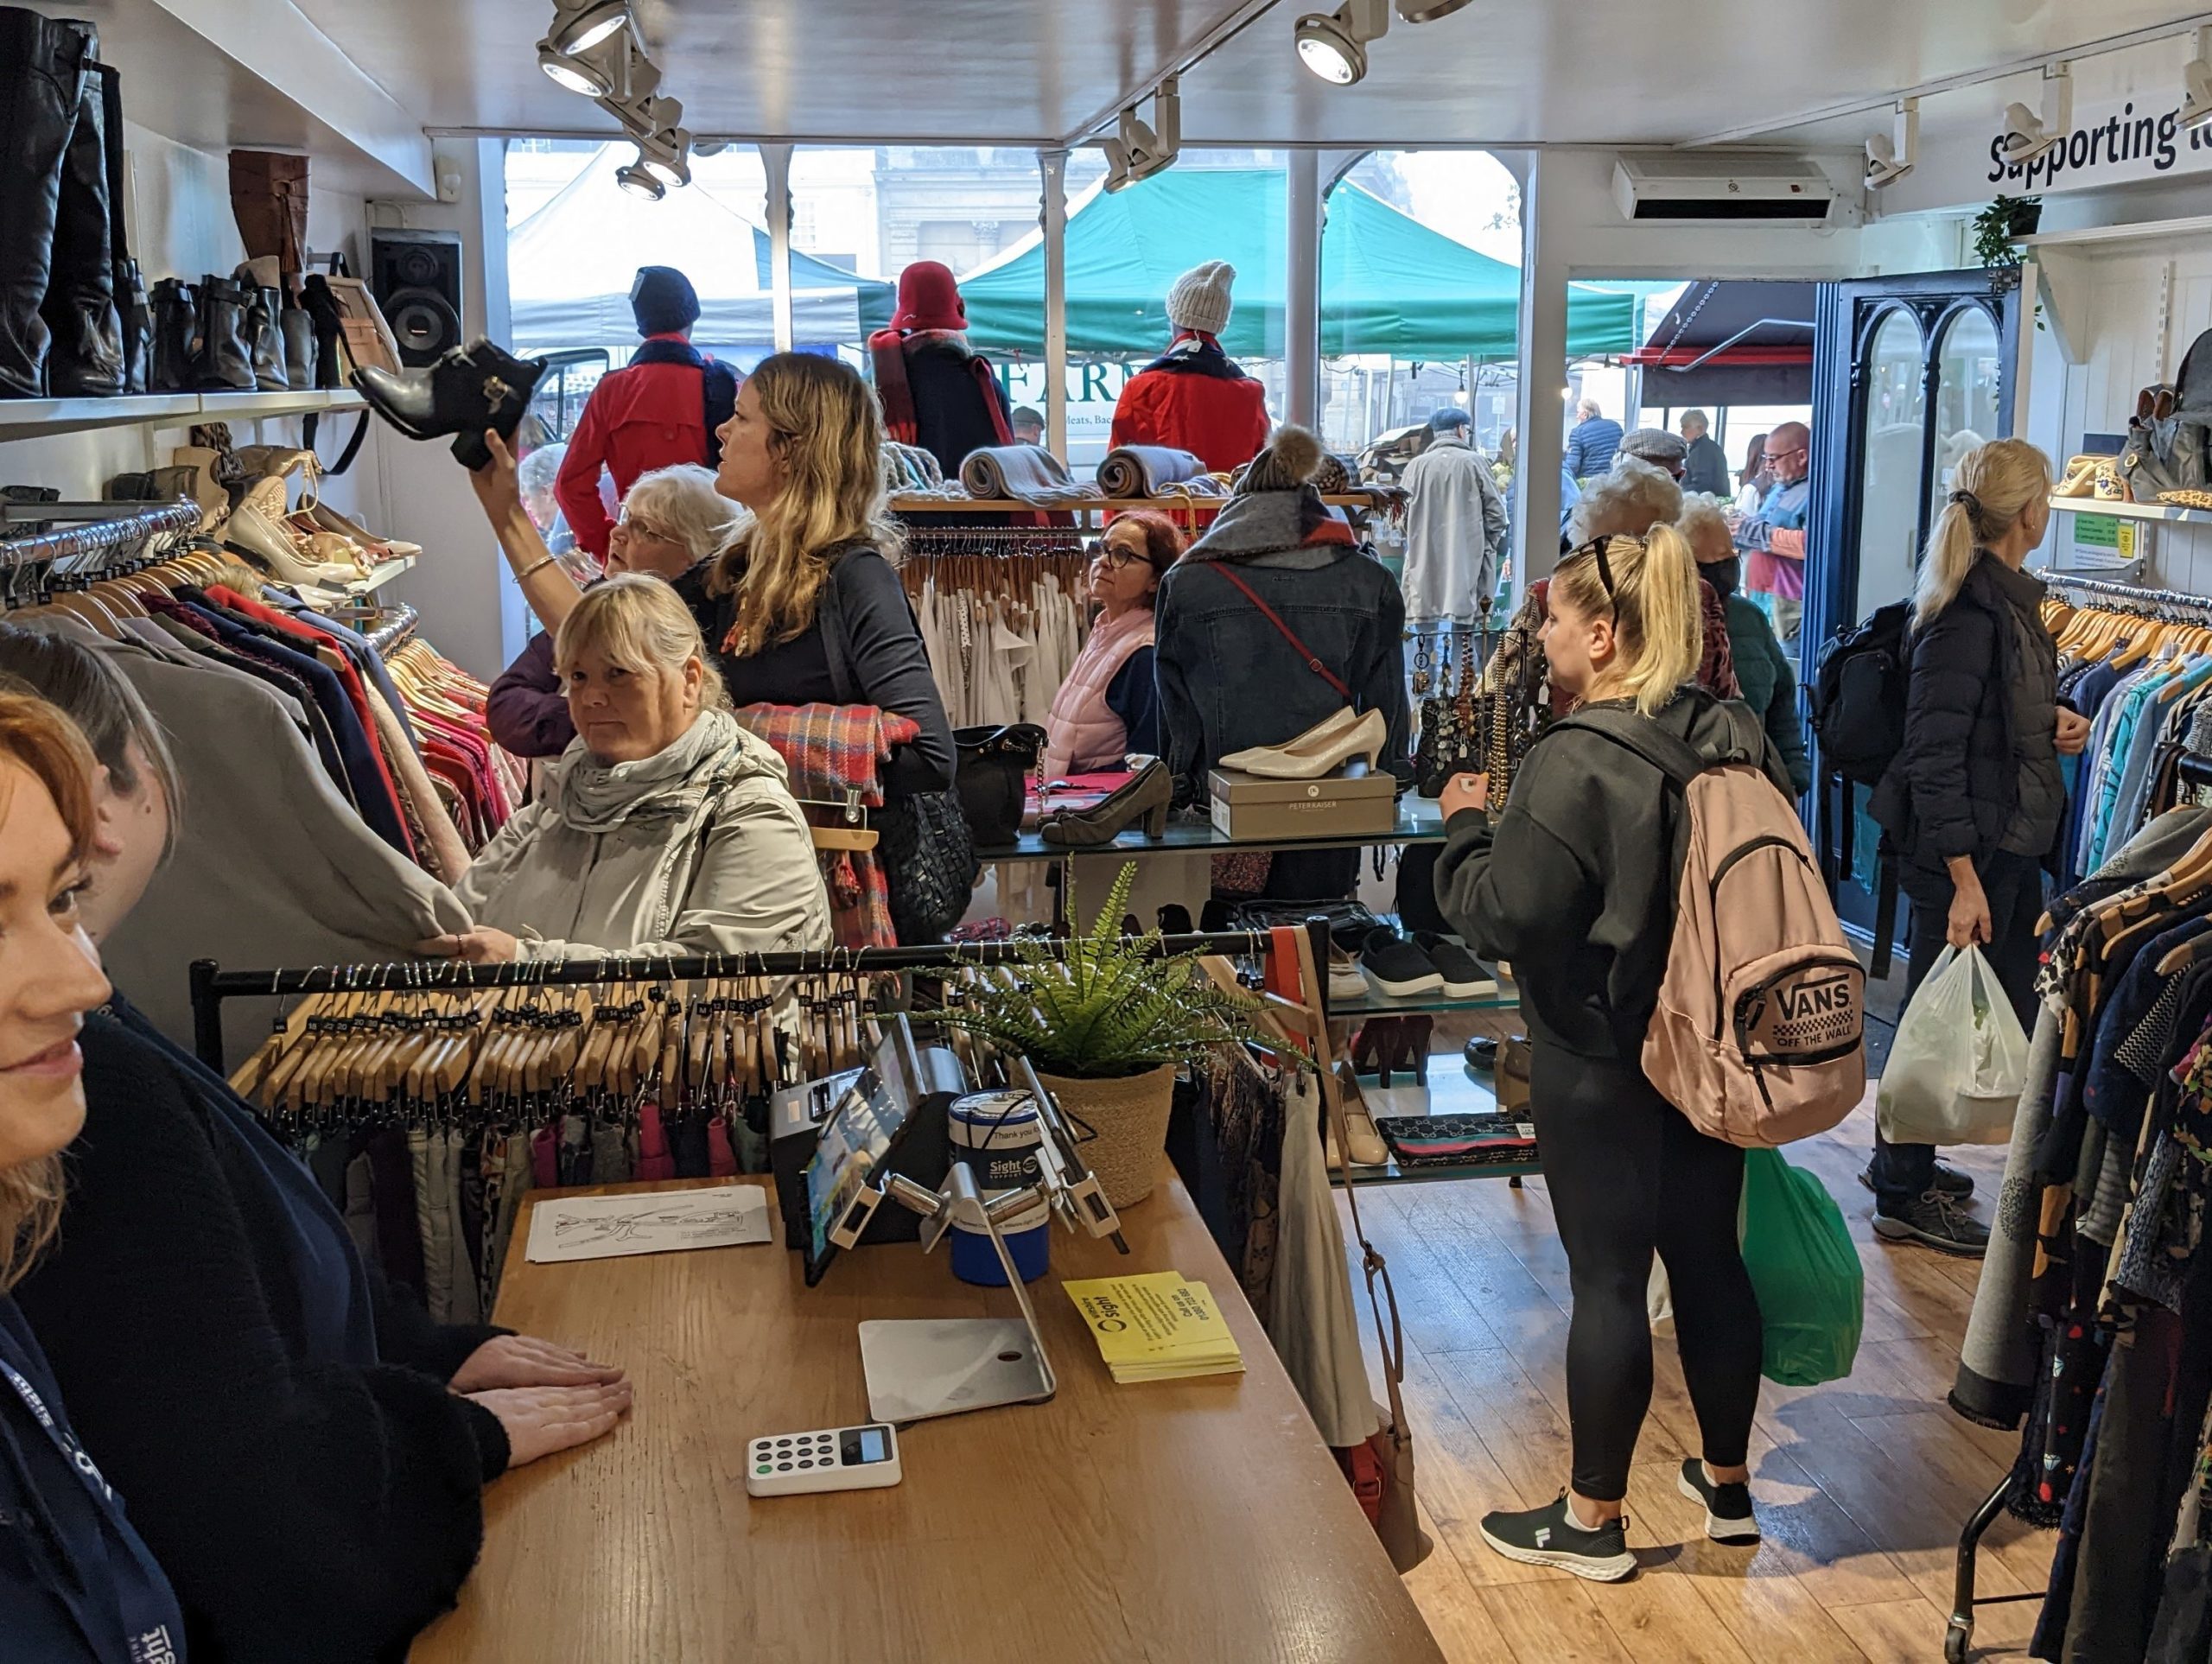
[1952, 789]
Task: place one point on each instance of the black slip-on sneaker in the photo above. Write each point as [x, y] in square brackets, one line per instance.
[1395, 969]
[1465, 976]
[1935, 1221]
[1728, 1517]
[1949, 1181]
[1549, 1536]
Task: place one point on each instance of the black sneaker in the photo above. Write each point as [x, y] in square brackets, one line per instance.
[1934, 1221]
[1481, 1053]
[1395, 969]
[1549, 1536]
[1949, 1181]
[1728, 1517]
[1465, 976]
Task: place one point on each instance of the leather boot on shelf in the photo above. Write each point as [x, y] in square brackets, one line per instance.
[225, 362]
[176, 337]
[268, 195]
[329, 323]
[265, 333]
[297, 325]
[463, 391]
[131, 310]
[42, 90]
[85, 331]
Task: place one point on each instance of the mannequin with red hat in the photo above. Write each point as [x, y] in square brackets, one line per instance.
[663, 409]
[935, 392]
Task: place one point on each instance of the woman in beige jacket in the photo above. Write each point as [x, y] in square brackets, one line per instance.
[664, 829]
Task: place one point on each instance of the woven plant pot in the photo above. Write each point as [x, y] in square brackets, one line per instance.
[1129, 1116]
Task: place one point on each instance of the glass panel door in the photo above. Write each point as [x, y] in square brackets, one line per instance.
[1889, 449]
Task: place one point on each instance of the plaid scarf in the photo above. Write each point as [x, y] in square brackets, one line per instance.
[831, 750]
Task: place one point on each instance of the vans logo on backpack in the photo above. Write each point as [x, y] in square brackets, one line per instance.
[1759, 1032]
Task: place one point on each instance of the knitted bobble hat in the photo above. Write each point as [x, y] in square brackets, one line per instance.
[1200, 298]
[662, 301]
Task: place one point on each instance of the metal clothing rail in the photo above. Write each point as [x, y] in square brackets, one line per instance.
[212, 985]
[2133, 597]
[123, 527]
[395, 625]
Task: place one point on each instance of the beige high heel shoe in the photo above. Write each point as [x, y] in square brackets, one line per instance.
[1322, 749]
[256, 530]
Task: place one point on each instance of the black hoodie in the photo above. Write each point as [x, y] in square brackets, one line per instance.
[1575, 885]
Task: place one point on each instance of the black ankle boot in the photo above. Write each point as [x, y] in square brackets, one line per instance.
[329, 323]
[176, 337]
[42, 90]
[225, 364]
[463, 392]
[297, 325]
[264, 337]
[86, 358]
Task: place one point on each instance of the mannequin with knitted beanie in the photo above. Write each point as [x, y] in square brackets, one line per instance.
[935, 392]
[1194, 397]
[665, 409]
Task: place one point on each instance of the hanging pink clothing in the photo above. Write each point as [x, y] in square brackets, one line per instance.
[1082, 731]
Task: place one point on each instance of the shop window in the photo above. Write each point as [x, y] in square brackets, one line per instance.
[1966, 393]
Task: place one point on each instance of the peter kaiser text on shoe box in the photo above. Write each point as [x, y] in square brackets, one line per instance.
[1356, 802]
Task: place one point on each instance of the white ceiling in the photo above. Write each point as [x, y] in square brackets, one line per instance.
[1026, 72]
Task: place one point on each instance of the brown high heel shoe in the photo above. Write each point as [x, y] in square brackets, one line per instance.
[1147, 793]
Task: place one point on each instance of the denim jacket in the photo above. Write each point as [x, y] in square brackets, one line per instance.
[1227, 678]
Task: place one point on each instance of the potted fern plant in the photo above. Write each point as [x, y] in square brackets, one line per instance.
[1106, 1023]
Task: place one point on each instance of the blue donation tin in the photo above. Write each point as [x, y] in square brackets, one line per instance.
[997, 1134]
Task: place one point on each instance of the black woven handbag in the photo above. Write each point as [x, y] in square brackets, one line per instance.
[929, 864]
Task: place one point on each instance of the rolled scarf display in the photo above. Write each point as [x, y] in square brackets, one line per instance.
[1029, 473]
[1141, 470]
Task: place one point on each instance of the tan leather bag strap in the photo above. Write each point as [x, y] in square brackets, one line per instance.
[1389, 1337]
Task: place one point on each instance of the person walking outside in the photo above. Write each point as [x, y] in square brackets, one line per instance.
[1455, 526]
[1590, 444]
[1575, 885]
[1974, 801]
[663, 410]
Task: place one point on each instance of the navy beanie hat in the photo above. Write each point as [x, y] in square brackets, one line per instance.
[662, 301]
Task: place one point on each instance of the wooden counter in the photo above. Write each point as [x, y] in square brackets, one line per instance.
[1197, 1521]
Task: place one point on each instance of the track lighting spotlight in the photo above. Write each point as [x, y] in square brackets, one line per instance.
[582, 26]
[1890, 155]
[1333, 44]
[2196, 83]
[640, 180]
[578, 74]
[667, 156]
[1428, 11]
[2029, 136]
[1140, 149]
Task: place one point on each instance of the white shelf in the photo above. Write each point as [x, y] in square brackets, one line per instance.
[368, 585]
[39, 418]
[2129, 511]
[2090, 236]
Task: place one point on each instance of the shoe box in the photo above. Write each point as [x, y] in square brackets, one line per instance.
[1354, 802]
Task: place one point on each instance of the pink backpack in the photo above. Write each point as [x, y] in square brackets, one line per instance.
[1759, 1034]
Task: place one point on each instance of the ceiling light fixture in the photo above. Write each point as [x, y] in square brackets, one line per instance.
[2029, 136]
[667, 156]
[1428, 11]
[1140, 149]
[1333, 44]
[574, 73]
[579, 28]
[640, 180]
[2196, 83]
[1889, 156]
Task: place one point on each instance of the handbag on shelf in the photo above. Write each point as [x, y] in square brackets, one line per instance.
[992, 766]
[1349, 921]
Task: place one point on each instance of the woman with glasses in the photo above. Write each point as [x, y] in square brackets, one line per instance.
[672, 519]
[1109, 706]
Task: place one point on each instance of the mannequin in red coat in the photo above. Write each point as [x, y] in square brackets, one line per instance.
[1194, 397]
[663, 409]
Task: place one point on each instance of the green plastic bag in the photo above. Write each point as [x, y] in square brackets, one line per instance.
[1805, 1267]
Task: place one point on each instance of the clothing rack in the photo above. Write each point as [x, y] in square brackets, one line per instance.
[392, 629]
[906, 504]
[2126, 597]
[212, 985]
[106, 527]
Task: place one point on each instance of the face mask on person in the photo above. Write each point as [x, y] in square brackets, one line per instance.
[1723, 575]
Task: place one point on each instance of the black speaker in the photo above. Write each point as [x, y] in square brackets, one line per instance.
[416, 276]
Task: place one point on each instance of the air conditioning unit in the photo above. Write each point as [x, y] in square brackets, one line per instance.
[1694, 187]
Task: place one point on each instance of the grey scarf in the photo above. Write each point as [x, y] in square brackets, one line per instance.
[594, 797]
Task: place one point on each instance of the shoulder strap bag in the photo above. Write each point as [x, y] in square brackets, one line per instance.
[1312, 659]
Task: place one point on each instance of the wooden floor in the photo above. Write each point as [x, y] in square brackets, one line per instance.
[1861, 1485]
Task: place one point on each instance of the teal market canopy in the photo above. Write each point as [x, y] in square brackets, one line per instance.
[1389, 283]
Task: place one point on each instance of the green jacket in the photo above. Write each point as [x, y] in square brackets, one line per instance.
[1770, 686]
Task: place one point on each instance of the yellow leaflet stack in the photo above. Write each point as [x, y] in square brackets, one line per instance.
[1157, 1327]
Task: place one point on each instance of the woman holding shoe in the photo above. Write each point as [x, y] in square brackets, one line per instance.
[1974, 802]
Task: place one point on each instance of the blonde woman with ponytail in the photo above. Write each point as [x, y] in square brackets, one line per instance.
[1974, 802]
[1573, 884]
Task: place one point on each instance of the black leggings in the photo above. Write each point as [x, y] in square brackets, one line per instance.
[1627, 1174]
